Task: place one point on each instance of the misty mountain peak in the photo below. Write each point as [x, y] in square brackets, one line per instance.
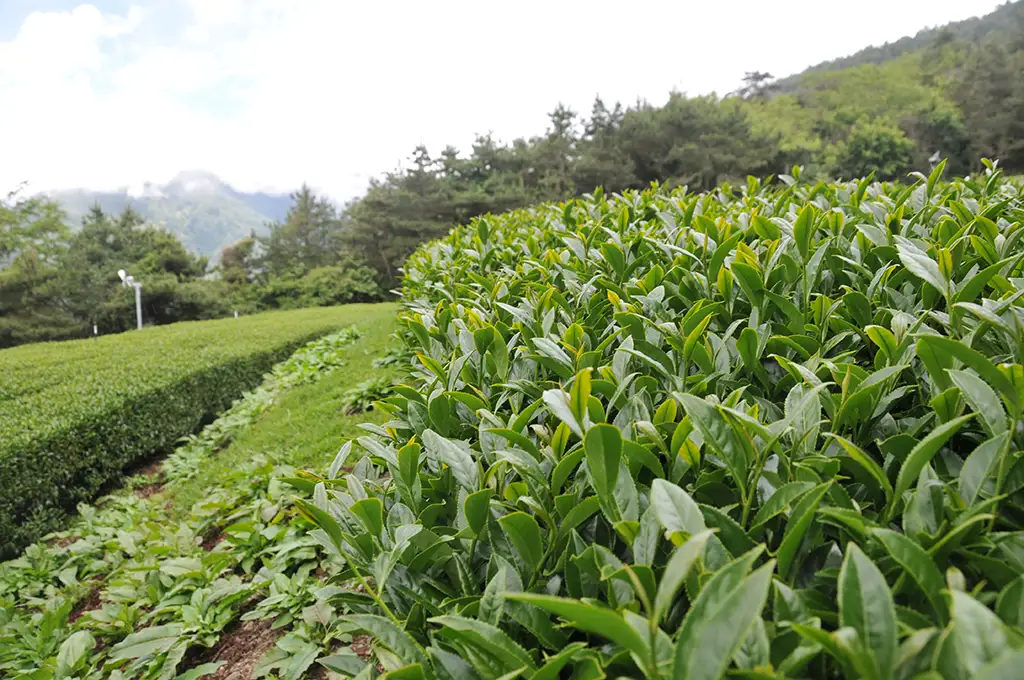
[196, 182]
[205, 212]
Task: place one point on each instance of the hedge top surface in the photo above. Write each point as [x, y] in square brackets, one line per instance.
[47, 386]
[776, 428]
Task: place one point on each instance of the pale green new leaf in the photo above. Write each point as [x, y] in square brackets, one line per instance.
[676, 570]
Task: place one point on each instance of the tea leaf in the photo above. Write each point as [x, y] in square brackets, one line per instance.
[866, 606]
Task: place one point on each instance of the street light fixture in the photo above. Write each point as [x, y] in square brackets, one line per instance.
[128, 280]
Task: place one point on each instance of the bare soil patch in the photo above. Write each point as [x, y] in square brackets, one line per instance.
[361, 646]
[147, 490]
[88, 603]
[213, 538]
[241, 647]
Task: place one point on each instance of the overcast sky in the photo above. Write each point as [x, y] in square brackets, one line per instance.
[270, 93]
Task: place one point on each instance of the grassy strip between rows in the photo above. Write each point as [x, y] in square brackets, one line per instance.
[151, 585]
[769, 431]
[74, 415]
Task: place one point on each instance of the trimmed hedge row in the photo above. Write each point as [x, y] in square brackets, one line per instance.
[769, 431]
[74, 415]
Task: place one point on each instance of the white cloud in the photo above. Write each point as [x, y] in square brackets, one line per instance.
[270, 93]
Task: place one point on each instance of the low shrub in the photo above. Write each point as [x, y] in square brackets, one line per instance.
[363, 396]
[74, 414]
[770, 431]
[345, 283]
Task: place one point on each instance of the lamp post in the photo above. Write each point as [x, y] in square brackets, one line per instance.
[128, 280]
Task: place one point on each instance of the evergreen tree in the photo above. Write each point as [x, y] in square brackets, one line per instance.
[308, 238]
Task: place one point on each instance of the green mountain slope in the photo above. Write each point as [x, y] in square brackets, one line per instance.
[1001, 22]
[204, 212]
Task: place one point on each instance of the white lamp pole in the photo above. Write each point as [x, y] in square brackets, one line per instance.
[128, 280]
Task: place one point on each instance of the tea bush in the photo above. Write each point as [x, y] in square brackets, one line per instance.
[74, 414]
[772, 431]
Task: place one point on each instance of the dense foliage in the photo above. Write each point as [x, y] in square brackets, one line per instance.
[303, 261]
[770, 431]
[138, 587]
[60, 284]
[75, 414]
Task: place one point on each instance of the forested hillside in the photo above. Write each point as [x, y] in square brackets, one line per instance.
[997, 24]
[954, 93]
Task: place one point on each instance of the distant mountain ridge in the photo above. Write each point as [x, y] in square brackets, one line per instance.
[205, 212]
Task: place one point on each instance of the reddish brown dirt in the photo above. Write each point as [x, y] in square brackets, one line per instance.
[88, 603]
[241, 647]
[64, 541]
[148, 490]
[213, 539]
[361, 646]
[149, 471]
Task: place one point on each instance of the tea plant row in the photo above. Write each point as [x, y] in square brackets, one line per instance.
[771, 431]
[74, 415]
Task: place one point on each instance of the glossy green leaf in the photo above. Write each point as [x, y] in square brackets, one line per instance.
[457, 456]
[982, 399]
[73, 652]
[590, 618]
[921, 265]
[948, 347]
[717, 625]
[676, 570]
[477, 509]
[779, 501]
[803, 231]
[717, 434]
[495, 641]
[603, 447]
[579, 395]
[982, 464]
[975, 637]
[559, 404]
[859, 456]
[866, 606]
[387, 633]
[524, 532]
[921, 454]
[919, 566]
[676, 510]
[799, 523]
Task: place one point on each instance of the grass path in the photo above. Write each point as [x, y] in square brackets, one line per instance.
[305, 428]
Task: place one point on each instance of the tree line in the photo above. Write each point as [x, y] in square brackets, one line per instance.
[955, 97]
